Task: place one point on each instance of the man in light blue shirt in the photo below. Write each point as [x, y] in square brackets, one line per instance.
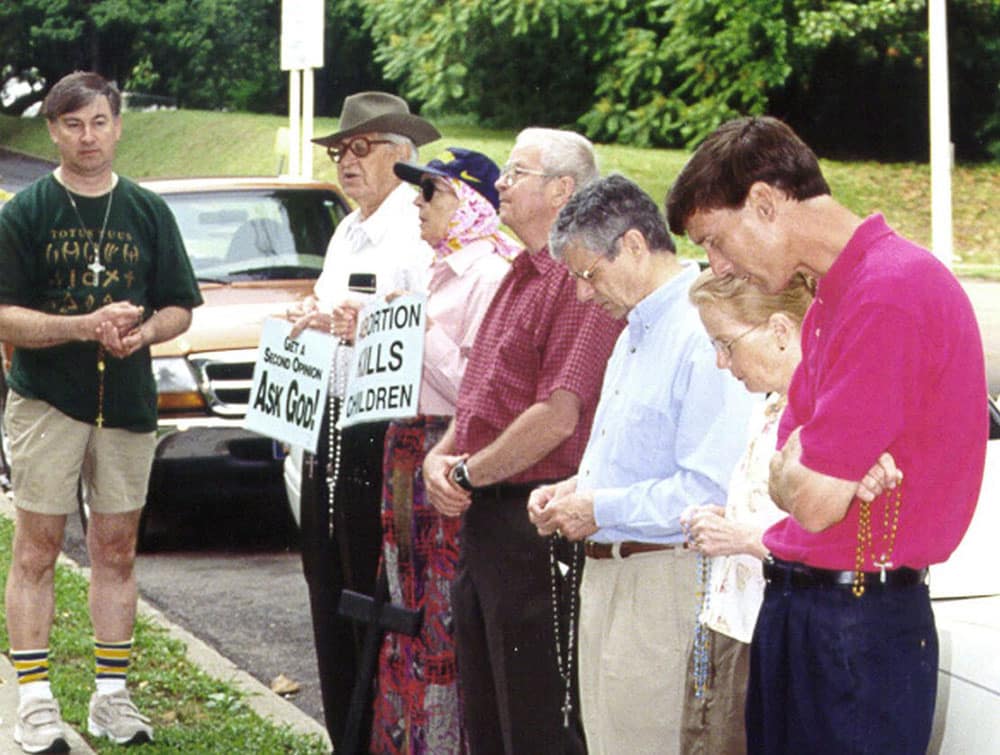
[668, 432]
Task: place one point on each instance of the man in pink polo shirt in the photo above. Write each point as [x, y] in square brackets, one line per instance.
[524, 411]
[844, 655]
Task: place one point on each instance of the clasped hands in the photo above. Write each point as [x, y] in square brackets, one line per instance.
[341, 322]
[118, 328]
[561, 509]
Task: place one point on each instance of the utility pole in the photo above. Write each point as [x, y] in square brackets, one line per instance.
[942, 150]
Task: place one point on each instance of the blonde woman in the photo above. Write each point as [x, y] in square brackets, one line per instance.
[756, 337]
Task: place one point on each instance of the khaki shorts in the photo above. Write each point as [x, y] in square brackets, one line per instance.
[50, 453]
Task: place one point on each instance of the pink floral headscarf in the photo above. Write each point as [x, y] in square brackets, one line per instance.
[474, 219]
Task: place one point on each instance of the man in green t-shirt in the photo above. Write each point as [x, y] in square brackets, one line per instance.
[94, 272]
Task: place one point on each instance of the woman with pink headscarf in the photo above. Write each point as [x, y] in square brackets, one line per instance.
[417, 703]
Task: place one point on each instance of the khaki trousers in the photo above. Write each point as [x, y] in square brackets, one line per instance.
[637, 618]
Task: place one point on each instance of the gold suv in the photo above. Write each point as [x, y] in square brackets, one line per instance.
[256, 245]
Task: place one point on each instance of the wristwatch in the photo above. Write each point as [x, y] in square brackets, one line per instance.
[460, 476]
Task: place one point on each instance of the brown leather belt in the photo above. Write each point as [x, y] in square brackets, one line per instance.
[624, 550]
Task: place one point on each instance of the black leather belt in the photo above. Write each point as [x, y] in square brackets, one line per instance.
[792, 574]
[624, 549]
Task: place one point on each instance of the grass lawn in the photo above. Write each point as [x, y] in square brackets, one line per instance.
[191, 712]
[191, 143]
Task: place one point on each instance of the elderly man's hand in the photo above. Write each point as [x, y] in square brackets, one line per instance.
[345, 320]
[301, 308]
[570, 515]
[316, 320]
[445, 496]
[541, 496]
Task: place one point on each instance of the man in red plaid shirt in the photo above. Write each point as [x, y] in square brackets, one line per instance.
[523, 417]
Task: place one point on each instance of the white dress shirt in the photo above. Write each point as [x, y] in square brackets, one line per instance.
[387, 244]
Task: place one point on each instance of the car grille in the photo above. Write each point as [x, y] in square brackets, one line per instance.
[225, 378]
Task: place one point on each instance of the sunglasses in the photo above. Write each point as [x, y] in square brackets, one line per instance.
[427, 188]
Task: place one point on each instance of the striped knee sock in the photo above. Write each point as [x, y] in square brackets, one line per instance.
[32, 668]
[111, 664]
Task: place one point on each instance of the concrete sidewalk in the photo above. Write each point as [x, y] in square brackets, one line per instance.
[258, 696]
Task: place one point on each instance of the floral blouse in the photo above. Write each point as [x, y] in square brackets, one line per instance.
[737, 582]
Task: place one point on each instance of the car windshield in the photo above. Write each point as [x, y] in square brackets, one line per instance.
[258, 234]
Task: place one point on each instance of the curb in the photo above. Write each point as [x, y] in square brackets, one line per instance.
[258, 696]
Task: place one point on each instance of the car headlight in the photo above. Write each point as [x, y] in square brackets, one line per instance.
[176, 385]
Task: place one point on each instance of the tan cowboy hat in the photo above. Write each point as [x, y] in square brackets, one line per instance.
[368, 112]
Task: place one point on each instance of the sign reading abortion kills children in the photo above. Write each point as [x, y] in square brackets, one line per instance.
[290, 382]
[384, 382]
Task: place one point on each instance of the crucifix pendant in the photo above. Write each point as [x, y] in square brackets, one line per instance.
[567, 707]
[96, 267]
[882, 564]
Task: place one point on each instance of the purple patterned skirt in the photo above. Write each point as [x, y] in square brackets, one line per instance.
[417, 707]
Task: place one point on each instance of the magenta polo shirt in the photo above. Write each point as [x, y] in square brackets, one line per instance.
[892, 360]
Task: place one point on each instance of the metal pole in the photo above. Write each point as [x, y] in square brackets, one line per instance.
[294, 122]
[307, 123]
[940, 132]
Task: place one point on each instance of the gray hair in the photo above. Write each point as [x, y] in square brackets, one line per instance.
[405, 141]
[563, 153]
[601, 212]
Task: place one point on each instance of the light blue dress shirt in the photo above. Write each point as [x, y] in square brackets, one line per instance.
[670, 425]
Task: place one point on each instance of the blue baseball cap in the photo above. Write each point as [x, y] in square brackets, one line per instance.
[472, 168]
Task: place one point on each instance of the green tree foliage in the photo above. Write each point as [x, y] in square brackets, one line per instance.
[679, 68]
[851, 75]
[210, 54]
[506, 62]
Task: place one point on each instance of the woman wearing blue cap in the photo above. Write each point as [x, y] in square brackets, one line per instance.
[417, 704]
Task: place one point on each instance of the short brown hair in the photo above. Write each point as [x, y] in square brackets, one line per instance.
[733, 158]
[78, 89]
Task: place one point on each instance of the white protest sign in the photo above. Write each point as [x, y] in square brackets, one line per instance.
[384, 381]
[301, 34]
[290, 382]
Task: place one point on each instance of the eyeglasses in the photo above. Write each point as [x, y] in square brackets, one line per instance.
[725, 348]
[360, 146]
[511, 174]
[587, 275]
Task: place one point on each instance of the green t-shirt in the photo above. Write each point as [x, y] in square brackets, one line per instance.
[44, 258]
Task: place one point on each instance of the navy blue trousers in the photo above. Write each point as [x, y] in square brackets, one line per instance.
[832, 673]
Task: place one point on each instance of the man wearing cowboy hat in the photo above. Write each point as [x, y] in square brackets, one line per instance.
[381, 238]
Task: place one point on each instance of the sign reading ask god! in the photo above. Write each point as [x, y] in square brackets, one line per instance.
[290, 381]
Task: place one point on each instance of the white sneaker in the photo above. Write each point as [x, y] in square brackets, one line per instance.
[39, 727]
[115, 717]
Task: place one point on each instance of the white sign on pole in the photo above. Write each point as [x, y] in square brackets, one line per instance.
[384, 381]
[290, 382]
[301, 34]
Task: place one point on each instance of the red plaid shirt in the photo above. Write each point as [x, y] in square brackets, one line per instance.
[536, 338]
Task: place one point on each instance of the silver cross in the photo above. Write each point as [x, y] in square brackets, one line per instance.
[882, 564]
[96, 268]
